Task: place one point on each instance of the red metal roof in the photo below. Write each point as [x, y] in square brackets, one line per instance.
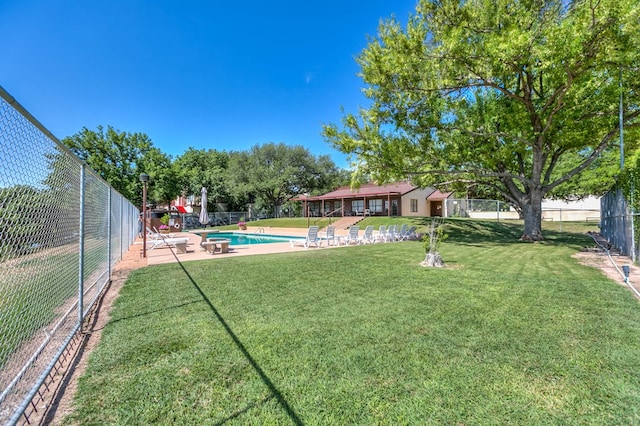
[439, 196]
[368, 190]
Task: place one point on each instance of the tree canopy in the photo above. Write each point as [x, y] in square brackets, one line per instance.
[520, 97]
[120, 157]
[208, 168]
[266, 175]
[272, 174]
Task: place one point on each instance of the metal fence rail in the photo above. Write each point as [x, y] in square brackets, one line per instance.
[62, 228]
[494, 209]
[192, 220]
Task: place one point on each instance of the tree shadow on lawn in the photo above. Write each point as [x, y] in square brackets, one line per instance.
[246, 409]
[142, 314]
[265, 379]
[477, 232]
[568, 239]
[482, 233]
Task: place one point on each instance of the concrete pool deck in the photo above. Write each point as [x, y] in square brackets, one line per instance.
[166, 254]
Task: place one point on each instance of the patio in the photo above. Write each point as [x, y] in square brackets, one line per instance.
[195, 252]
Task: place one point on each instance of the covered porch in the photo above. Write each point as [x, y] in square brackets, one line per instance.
[366, 205]
[368, 200]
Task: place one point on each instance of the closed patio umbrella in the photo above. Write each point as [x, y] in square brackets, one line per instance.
[204, 217]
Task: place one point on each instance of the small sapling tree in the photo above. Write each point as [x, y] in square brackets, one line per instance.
[432, 240]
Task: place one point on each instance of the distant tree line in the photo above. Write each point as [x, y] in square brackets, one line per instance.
[267, 175]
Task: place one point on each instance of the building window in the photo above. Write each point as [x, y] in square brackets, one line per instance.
[375, 206]
[414, 205]
[357, 206]
[314, 208]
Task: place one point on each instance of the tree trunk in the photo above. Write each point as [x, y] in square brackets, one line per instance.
[433, 260]
[532, 211]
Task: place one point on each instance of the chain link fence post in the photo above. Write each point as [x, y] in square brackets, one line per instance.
[57, 222]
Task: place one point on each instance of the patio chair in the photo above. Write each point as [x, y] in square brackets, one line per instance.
[367, 236]
[409, 234]
[352, 237]
[402, 231]
[178, 243]
[330, 235]
[155, 235]
[152, 235]
[381, 234]
[392, 233]
[311, 238]
[167, 235]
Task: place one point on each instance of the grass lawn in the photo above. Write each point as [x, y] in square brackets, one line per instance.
[509, 333]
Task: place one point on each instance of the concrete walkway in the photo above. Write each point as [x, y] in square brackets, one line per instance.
[195, 252]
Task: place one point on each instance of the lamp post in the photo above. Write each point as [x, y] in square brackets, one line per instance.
[144, 178]
[306, 206]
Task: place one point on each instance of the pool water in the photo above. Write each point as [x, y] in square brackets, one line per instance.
[239, 238]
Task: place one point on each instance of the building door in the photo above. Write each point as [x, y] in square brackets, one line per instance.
[436, 208]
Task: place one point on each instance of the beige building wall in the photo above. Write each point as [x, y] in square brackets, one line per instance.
[423, 206]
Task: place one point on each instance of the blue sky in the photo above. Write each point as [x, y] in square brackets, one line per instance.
[204, 74]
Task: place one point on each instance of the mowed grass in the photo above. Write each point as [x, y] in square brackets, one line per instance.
[508, 333]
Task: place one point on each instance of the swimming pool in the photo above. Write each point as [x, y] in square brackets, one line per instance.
[239, 238]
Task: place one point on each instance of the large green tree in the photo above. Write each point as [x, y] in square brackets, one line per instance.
[164, 184]
[518, 96]
[272, 174]
[198, 167]
[120, 157]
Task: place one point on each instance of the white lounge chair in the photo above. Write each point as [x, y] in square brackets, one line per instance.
[311, 238]
[178, 243]
[381, 234]
[401, 232]
[330, 235]
[352, 237]
[392, 233]
[153, 235]
[167, 235]
[367, 236]
[409, 234]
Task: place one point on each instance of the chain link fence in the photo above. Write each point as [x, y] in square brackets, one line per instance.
[62, 229]
[494, 209]
[192, 220]
[618, 224]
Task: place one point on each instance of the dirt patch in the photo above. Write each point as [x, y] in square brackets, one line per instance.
[610, 262]
[611, 267]
[58, 401]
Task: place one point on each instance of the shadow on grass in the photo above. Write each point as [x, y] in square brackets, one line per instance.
[477, 232]
[246, 409]
[168, 308]
[577, 241]
[482, 233]
[265, 379]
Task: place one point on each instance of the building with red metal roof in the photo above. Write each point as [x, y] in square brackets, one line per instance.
[370, 199]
